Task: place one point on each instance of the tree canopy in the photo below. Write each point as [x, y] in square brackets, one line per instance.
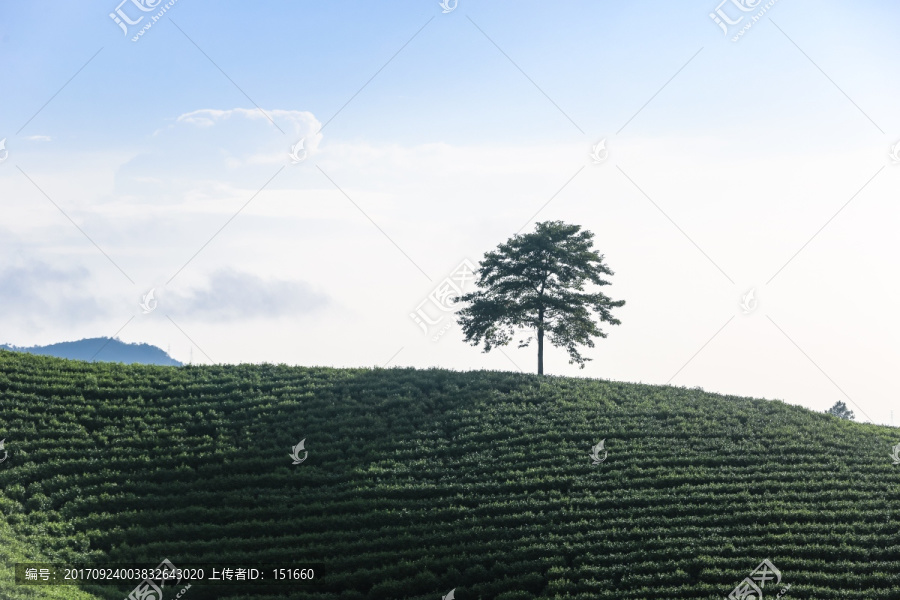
[536, 282]
[841, 411]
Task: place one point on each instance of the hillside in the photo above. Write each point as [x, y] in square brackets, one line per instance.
[419, 482]
[102, 350]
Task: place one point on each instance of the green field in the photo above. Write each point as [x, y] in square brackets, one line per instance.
[419, 482]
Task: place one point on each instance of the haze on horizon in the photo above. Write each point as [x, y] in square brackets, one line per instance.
[768, 164]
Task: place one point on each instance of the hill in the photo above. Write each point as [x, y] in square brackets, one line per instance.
[102, 349]
[419, 482]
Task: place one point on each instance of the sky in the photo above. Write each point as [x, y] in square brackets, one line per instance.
[290, 182]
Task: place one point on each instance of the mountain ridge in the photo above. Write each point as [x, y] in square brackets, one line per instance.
[102, 349]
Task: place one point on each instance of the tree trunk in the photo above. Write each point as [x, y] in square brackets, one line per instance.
[540, 340]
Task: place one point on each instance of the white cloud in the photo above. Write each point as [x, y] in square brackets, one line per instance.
[230, 294]
[243, 137]
[41, 295]
[441, 202]
[301, 122]
[154, 180]
[38, 138]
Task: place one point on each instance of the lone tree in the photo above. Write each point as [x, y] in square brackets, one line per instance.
[536, 282]
[840, 411]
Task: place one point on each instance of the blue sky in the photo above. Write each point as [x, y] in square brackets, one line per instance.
[154, 165]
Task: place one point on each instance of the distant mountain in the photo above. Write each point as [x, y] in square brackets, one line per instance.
[102, 349]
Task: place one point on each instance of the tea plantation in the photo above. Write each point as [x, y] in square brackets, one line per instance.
[417, 483]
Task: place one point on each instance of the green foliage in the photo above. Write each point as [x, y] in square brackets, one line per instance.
[841, 411]
[418, 482]
[13, 550]
[536, 282]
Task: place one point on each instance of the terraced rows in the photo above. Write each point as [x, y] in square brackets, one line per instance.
[418, 482]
